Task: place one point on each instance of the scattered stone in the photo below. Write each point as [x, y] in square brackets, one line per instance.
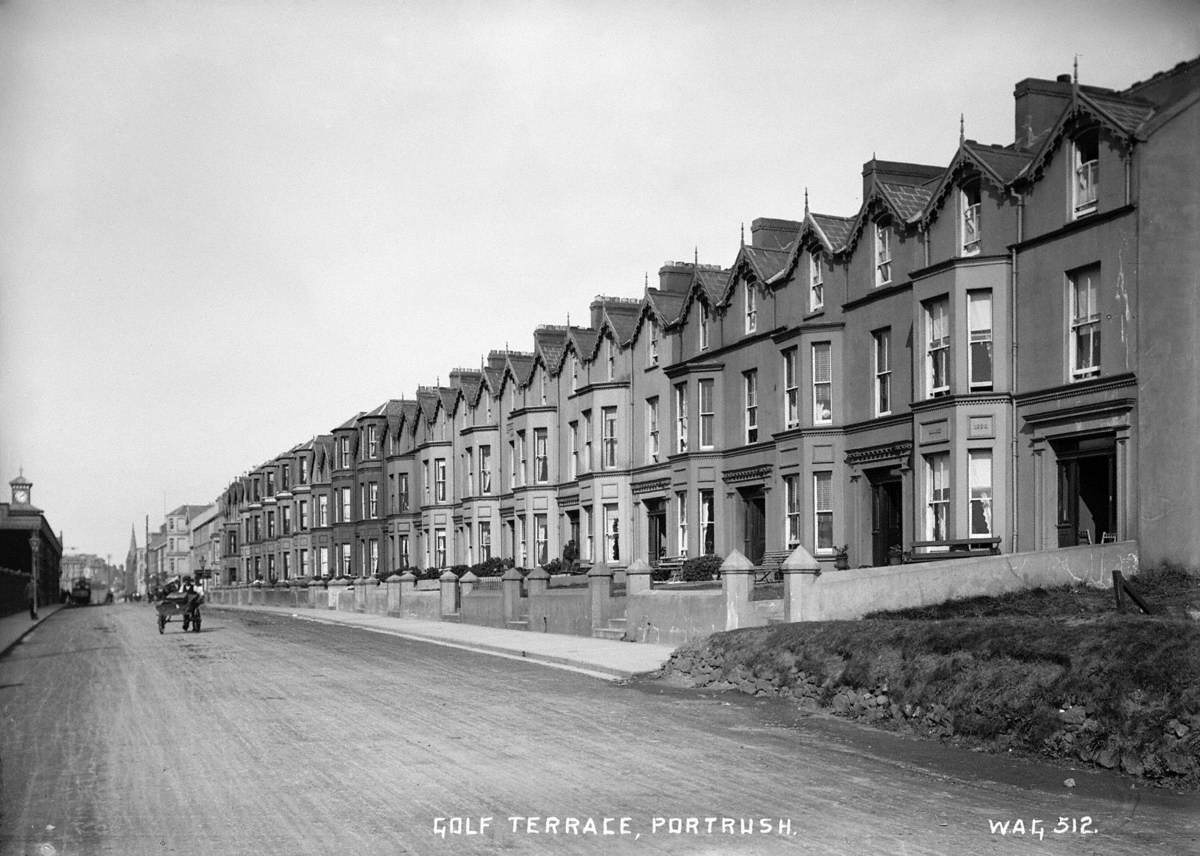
[1070, 783]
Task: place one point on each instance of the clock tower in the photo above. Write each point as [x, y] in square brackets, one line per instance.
[20, 489]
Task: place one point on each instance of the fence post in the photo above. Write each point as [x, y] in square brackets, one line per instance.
[449, 592]
[467, 583]
[537, 581]
[800, 572]
[599, 592]
[637, 577]
[510, 590]
[736, 579]
[393, 584]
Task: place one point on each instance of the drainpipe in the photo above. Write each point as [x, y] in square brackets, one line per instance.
[1012, 374]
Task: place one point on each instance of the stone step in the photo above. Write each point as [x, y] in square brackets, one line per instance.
[455, 617]
[617, 633]
[517, 625]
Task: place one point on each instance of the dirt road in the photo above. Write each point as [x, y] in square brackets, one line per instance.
[264, 735]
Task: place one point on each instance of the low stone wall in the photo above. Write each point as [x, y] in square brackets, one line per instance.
[837, 595]
[483, 606]
[423, 604]
[672, 618]
[561, 610]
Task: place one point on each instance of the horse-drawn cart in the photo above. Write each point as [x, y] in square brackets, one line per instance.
[181, 603]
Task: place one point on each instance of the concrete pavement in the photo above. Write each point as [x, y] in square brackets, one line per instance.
[13, 628]
[603, 658]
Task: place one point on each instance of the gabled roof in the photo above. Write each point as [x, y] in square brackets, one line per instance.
[521, 366]
[548, 343]
[622, 317]
[666, 305]
[427, 402]
[760, 263]
[907, 201]
[350, 424]
[1121, 115]
[997, 165]
[582, 340]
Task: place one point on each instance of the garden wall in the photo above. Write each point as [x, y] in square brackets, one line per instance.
[674, 617]
[852, 594]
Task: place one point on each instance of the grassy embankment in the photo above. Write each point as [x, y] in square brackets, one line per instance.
[1056, 672]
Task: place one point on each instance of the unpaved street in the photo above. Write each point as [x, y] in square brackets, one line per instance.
[266, 735]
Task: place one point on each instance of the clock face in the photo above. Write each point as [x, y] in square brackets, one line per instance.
[21, 495]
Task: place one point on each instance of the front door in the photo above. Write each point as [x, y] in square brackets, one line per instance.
[1087, 489]
[754, 529]
[656, 530]
[886, 517]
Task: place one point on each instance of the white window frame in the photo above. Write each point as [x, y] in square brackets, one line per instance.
[883, 255]
[541, 456]
[1085, 174]
[1084, 322]
[681, 521]
[937, 496]
[750, 403]
[751, 309]
[979, 338]
[681, 418]
[485, 469]
[347, 512]
[823, 512]
[612, 537]
[574, 372]
[652, 345]
[323, 510]
[541, 539]
[588, 463]
[980, 477]
[703, 337]
[822, 381]
[882, 369]
[708, 522]
[373, 500]
[469, 466]
[439, 548]
[792, 517]
[652, 438]
[573, 460]
[791, 388]
[485, 540]
[705, 393]
[969, 196]
[372, 442]
[439, 479]
[816, 283]
[608, 437]
[937, 347]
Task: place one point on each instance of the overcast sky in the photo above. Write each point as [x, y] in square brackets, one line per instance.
[227, 227]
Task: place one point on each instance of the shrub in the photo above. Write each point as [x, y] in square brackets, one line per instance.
[554, 566]
[701, 568]
[660, 574]
[493, 567]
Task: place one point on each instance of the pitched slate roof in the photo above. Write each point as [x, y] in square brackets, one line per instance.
[906, 200]
[349, 424]
[427, 402]
[835, 230]
[549, 341]
[449, 397]
[583, 339]
[521, 364]
[765, 263]
[623, 317]
[1127, 114]
[665, 304]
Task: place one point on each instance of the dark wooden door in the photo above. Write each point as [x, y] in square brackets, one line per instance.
[754, 527]
[886, 520]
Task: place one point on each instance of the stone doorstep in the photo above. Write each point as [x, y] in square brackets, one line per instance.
[614, 633]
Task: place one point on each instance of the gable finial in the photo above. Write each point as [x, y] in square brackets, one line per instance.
[806, 200]
[743, 233]
[646, 282]
[696, 256]
[568, 320]
[1075, 71]
[962, 129]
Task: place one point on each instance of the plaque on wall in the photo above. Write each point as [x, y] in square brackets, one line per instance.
[980, 426]
[822, 454]
[934, 432]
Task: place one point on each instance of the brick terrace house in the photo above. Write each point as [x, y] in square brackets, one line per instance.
[994, 353]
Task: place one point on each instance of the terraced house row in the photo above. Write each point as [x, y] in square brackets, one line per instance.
[997, 354]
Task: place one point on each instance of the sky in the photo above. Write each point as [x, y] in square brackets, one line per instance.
[226, 227]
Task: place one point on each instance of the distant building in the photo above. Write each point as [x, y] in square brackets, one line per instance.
[28, 547]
